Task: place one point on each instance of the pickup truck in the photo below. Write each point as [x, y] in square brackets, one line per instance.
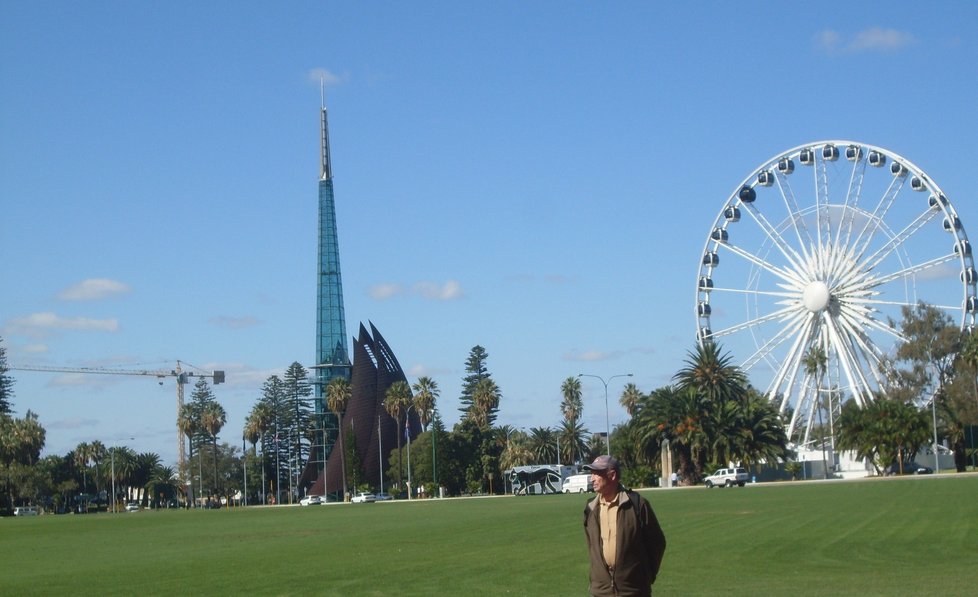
[727, 477]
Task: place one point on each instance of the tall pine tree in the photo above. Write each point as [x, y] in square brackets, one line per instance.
[298, 396]
[475, 367]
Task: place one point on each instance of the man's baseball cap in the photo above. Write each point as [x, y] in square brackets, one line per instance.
[602, 464]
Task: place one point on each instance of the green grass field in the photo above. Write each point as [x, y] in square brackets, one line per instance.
[909, 536]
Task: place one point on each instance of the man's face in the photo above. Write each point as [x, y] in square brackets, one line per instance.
[601, 480]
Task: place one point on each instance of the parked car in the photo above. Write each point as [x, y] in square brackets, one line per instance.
[132, 506]
[311, 500]
[25, 511]
[364, 498]
[383, 497]
[908, 468]
[727, 477]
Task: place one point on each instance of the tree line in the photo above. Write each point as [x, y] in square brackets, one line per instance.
[710, 415]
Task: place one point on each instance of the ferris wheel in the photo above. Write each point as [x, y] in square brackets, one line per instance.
[819, 249]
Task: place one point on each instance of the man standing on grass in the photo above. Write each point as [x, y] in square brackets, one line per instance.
[624, 540]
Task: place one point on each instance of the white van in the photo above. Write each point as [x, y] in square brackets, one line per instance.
[577, 484]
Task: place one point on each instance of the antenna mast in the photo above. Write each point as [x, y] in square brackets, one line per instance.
[325, 170]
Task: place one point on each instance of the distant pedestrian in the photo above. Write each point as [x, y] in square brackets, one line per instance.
[624, 540]
[674, 479]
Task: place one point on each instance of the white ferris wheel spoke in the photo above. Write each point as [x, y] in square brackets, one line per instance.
[793, 358]
[757, 320]
[848, 342]
[783, 294]
[791, 205]
[878, 215]
[851, 207]
[899, 240]
[765, 350]
[906, 272]
[786, 275]
[786, 250]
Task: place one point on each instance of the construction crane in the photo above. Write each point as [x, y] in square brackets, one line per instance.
[181, 376]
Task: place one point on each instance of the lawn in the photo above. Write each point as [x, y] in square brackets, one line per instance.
[909, 536]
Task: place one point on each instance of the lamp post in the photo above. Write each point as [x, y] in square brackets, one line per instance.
[607, 417]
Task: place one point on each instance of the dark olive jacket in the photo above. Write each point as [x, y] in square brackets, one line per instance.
[641, 545]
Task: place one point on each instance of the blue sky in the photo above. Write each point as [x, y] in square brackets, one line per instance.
[537, 178]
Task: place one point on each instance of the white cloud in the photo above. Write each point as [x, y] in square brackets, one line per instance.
[93, 289]
[35, 348]
[420, 370]
[874, 39]
[877, 38]
[449, 291]
[590, 356]
[828, 40]
[234, 323]
[382, 292]
[39, 324]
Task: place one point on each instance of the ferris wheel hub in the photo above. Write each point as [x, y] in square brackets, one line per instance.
[816, 296]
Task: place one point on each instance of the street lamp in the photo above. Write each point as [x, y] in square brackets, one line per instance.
[607, 417]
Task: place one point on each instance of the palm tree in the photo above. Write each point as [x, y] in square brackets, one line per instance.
[630, 398]
[572, 405]
[165, 480]
[212, 419]
[815, 362]
[189, 425]
[761, 434]
[542, 444]
[426, 393]
[679, 416]
[97, 452]
[396, 404]
[485, 400]
[713, 375]
[260, 420]
[516, 451]
[125, 468]
[338, 394]
[81, 458]
[572, 443]
[144, 465]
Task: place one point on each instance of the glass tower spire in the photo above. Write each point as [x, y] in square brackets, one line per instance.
[332, 355]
